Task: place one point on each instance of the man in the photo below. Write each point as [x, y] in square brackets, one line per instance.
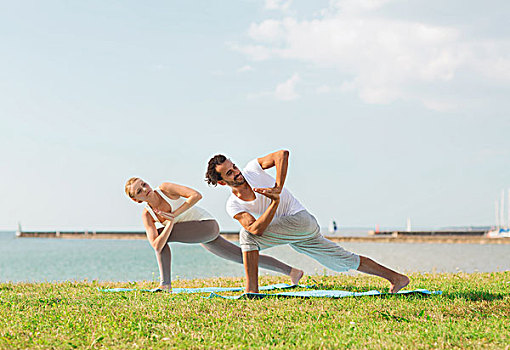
[270, 215]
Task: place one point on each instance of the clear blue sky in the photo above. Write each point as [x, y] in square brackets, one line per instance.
[390, 109]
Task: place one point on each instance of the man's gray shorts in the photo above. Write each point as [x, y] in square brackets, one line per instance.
[302, 232]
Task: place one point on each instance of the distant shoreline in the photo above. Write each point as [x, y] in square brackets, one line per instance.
[411, 237]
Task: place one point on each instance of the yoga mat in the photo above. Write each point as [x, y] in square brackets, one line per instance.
[302, 294]
[321, 294]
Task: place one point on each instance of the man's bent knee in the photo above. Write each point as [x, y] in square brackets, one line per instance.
[247, 242]
[249, 248]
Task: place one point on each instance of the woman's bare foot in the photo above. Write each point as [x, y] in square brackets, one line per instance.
[399, 283]
[295, 275]
[165, 288]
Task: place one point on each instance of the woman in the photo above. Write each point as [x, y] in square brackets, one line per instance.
[173, 206]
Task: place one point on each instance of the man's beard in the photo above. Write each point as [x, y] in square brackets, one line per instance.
[240, 181]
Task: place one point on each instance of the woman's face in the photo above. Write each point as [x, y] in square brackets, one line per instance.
[141, 190]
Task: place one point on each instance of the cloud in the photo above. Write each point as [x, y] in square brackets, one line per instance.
[277, 4]
[354, 6]
[286, 91]
[246, 68]
[439, 104]
[255, 52]
[381, 59]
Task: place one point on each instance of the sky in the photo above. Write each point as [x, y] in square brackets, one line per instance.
[391, 109]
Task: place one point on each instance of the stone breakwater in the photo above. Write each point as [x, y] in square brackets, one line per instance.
[393, 237]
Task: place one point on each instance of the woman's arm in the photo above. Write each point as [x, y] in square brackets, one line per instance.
[174, 190]
[157, 240]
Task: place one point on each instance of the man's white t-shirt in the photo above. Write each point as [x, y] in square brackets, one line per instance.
[258, 178]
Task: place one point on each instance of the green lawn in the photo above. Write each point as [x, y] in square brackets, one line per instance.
[473, 312]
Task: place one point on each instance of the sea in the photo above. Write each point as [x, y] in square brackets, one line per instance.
[50, 259]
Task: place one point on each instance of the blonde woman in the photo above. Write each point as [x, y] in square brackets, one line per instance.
[173, 207]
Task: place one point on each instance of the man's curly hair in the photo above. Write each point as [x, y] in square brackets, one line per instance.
[212, 176]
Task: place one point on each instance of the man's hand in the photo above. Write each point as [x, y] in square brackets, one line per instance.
[275, 189]
[272, 193]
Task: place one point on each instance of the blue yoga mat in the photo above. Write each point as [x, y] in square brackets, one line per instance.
[302, 294]
[321, 294]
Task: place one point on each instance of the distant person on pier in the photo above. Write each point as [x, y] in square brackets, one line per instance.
[173, 207]
[270, 216]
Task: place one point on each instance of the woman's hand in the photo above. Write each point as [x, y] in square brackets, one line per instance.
[164, 214]
[159, 243]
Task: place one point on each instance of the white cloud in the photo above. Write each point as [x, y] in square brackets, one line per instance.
[246, 68]
[352, 6]
[381, 59]
[490, 58]
[255, 52]
[278, 4]
[286, 91]
[268, 31]
[439, 104]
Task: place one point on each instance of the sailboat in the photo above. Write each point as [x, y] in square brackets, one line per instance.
[499, 233]
[501, 229]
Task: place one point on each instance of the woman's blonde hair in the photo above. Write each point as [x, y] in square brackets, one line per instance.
[127, 188]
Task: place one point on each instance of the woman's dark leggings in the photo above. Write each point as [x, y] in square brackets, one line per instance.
[207, 233]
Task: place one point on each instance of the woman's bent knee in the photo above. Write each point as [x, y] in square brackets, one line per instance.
[212, 231]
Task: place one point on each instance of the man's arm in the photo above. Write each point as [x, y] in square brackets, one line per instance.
[280, 160]
[257, 227]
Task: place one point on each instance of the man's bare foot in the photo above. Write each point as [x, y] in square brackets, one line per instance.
[400, 283]
[295, 275]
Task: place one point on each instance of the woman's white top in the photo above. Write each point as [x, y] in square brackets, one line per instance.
[192, 214]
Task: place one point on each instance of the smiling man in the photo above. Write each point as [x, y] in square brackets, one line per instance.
[271, 216]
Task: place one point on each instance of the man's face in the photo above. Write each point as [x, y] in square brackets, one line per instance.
[230, 174]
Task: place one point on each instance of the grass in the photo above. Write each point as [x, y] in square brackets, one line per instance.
[473, 312]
